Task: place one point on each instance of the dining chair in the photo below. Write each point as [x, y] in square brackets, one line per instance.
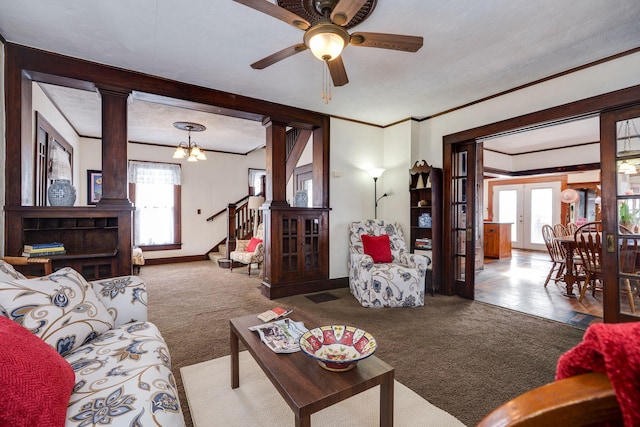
[588, 238]
[629, 256]
[589, 247]
[556, 253]
[571, 228]
[559, 230]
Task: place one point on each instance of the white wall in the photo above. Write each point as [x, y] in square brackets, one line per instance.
[603, 78]
[397, 161]
[355, 148]
[305, 158]
[206, 185]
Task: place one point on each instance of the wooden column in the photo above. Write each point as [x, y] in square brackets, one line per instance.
[275, 193]
[276, 159]
[115, 178]
[114, 148]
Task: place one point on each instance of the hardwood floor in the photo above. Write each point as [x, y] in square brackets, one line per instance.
[517, 283]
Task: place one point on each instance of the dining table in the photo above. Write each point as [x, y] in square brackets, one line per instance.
[568, 243]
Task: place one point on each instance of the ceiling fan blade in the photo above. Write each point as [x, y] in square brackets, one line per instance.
[279, 56]
[338, 72]
[345, 10]
[387, 41]
[276, 11]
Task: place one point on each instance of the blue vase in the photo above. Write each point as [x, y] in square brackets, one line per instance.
[301, 199]
[61, 193]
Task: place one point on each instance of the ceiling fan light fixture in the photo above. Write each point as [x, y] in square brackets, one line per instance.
[326, 41]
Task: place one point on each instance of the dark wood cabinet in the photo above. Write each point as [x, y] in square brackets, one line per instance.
[91, 236]
[426, 236]
[298, 254]
[497, 240]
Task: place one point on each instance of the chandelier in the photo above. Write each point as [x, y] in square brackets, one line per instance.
[626, 167]
[189, 149]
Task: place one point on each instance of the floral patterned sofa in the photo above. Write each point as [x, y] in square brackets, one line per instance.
[400, 283]
[120, 361]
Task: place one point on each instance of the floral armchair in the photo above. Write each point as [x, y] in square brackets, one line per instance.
[400, 283]
[243, 255]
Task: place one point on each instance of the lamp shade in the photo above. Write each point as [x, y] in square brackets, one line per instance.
[326, 46]
[326, 40]
[376, 172]
[255, 202]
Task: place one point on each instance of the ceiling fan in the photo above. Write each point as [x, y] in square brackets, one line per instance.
[327, 37]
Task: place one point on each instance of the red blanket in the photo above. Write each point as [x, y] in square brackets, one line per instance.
[613, 349]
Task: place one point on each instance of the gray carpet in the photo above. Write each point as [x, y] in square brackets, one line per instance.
[463, 356]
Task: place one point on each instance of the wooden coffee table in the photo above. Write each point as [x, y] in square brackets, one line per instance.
[302, 382]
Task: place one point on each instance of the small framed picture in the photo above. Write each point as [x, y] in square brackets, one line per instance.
[94, 186]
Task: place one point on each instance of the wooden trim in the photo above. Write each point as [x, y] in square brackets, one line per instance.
[291, 289]
[157, 89]
[172, 260]
[588, 106]
[559, 170]
[541, 151]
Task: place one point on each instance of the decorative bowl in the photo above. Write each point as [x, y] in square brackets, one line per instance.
[338, 348]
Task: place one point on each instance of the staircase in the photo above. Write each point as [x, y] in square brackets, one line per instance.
[240, 221]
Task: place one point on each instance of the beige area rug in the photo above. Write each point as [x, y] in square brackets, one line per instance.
[257, 403]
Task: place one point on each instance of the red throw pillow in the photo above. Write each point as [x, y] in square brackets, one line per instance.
[378, 247]
[252, 244]
[36, 382]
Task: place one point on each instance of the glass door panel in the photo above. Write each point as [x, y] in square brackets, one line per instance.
[459, 198]
[621, 214]
[463, 221]
[508, 212]
[540, 212]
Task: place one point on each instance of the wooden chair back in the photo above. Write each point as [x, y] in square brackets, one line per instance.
[556, 251]
[560, 230]
[43, 264]
[589, 247]
[583, 400]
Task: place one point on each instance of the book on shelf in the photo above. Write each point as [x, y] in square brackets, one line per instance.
[274, 313]
[423, 243]
[43, 247]
[43, 254]
[281, 336]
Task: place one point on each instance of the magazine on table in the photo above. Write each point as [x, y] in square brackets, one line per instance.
[281, 336]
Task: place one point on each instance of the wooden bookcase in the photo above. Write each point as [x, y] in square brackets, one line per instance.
[427, 200]
[93, 238]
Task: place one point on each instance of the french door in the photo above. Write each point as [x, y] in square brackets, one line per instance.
[463, 184]
[620, 159]
[527, 207]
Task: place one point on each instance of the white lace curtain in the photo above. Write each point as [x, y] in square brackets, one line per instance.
[154, 173]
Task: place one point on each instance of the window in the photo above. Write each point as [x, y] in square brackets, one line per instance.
[155, 191]
[54, 159]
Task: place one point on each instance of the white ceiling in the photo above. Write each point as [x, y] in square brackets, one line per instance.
[472, 49]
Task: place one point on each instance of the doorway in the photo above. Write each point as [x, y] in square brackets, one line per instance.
[586, 108]
[527, 207]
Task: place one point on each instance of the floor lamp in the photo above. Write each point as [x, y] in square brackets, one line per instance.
[375, 174]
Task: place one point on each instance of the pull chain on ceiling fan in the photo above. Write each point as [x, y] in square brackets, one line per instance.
[327, 36]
